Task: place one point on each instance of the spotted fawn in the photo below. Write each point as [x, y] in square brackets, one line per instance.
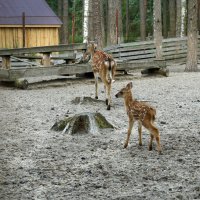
[141, 112]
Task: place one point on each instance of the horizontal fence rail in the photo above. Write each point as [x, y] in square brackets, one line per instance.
[172, 49]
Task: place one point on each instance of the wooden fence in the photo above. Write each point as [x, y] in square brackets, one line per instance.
[173, 49]
[129, 56]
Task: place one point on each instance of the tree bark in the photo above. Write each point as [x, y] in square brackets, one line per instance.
[97, 22]
[60, 14]
[65, 22]
[114, 25]
[158, 29]
[172, 15]
[192, 42]
[143, 13]
[165, 18]
[198, 16]
[127, 19]
[86, 21]
[178, 18]
[183, 18]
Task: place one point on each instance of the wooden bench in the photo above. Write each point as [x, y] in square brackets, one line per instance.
[44, 50]
[21, 75]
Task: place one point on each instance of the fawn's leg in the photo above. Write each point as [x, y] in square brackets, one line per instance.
[151, 142]
[96, 85]
[130, 126]
[154, 134]
[108, 97]
[140, 132]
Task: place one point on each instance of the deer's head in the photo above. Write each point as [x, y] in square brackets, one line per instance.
[91, 47]
[122, 93]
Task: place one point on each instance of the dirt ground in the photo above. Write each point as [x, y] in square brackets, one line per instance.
[37, 163]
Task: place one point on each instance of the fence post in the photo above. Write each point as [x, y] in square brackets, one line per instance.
[24, 29]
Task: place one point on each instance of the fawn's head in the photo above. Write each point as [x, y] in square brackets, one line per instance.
[123, 92]
[91, 47]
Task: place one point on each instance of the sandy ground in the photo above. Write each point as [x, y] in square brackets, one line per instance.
[37, 163]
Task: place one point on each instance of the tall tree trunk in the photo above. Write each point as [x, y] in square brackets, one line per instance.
[143, 13]
[172, 14]
[65, 22]
[97, 22]
[178, 18]
[183, 17]
[120, 24]
[127, 19]
[60, 14]
[198, 16]
[158, 28]
[192, 41]
[114, 26]
[102, 15]
[165, 18]
[86, 21]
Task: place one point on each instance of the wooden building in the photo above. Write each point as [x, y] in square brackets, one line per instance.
[27, 23]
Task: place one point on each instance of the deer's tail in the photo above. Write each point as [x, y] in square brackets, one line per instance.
[110, 63]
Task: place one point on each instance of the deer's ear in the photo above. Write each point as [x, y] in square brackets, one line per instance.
[95, 45]
[129, 85]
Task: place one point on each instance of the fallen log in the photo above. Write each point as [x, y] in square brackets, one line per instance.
[156, 71]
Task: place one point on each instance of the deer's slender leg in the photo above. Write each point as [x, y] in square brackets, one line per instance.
[96, 85]
[130, 126]
[108, 96]
[151, 142]
[156, 135]
[140, 132]
[105, 89]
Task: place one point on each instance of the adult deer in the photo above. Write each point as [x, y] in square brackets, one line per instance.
[103, 66]
[141, 112]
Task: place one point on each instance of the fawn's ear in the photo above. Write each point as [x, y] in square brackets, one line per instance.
[129, 85]
[95, 46]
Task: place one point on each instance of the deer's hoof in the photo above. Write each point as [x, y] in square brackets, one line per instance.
[106, 101]
[125, 146]
[108, 107]
[150, 148]
[96, 97]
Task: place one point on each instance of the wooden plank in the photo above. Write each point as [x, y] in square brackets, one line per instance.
[135, 65]
[68, 55]
[13, 74]
[132, 48]
[175, 52]
[25, 61]
[43, 49]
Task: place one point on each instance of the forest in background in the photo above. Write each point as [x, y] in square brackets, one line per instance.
[110, 22]
[136, 18]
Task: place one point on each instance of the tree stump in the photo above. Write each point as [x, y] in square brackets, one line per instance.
[21, 83]
[82, 123]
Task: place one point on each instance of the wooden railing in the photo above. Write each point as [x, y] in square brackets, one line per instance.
[45, 50]
[173, 49]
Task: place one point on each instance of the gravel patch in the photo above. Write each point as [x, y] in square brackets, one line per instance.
[37, 163]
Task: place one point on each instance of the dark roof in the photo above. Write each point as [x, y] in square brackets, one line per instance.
[37, 12]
